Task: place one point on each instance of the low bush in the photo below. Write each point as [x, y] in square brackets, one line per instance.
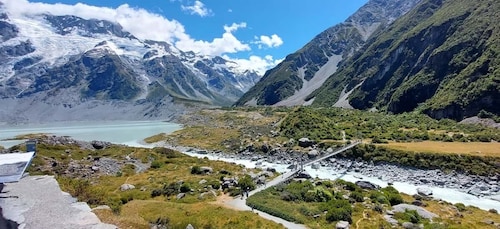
[281, 213]
[460, 207]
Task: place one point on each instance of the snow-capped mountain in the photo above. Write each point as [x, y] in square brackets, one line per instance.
[66, 62]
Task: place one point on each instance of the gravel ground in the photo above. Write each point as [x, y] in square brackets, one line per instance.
[38, 202]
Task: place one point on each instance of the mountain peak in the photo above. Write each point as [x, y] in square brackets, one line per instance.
[59, 62]
[85, 27]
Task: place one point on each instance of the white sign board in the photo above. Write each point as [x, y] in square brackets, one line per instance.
[13, 165]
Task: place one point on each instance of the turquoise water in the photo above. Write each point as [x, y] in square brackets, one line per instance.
[119, 132]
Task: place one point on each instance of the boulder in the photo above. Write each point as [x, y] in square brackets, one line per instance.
[189, 226]
[424, 191]
[125, 187]
[418, 203]
[202, 181]
[424, 213]
[272, 170]
[313, 153]
[342, 225]
[206, 169]
[367, 185]
[305, 142]
[98, 144]
[265, 148]
[390, 220]
[180, 196]
[304, 175]
[407, 225]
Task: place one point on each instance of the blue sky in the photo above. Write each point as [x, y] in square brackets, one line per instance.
[262, 30]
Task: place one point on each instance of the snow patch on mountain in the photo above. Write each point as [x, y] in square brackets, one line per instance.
[52, 57]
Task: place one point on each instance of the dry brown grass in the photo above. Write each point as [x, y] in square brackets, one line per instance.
[471, 218]
[221, 129]
[139, 213]
[470, 148]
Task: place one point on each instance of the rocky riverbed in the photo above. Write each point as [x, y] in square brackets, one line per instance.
[472, 184]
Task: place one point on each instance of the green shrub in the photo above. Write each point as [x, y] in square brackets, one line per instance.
[156, 164]
[460, 207]
[357, 196]
[408, 216]
[281, 213]
[171, 189]
[246, 183]
[156, 192]
[339, 210]
[185, 188]
[196, 170]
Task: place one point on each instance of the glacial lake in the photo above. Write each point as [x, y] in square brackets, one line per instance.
[120, 132]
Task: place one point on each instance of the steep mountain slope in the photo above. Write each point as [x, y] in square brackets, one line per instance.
[441, 58]
[66, 62]
[302, 72]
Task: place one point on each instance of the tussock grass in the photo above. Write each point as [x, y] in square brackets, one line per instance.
[470, 218]
[224, 130]
[139, 213]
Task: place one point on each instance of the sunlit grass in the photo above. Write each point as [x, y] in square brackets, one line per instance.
[139, 213]
[470, 148]
[471, 218]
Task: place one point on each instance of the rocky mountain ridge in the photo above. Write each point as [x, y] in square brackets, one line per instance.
[61, 66]
[306, 70]
[440, 58]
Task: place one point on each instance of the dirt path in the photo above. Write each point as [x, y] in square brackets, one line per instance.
[359, 220]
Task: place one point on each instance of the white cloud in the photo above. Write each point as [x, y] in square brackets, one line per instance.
[228, 43]
[271, 42]
[146, 25]
[198, 8]
[256, 63]
[229, 10]
[139, 22]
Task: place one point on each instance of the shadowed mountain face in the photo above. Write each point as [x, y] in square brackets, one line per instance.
[67, 61]
[304, 71]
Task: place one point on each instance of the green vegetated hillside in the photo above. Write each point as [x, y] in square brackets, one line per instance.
[473, 148]
[338, 123]
[441, 58]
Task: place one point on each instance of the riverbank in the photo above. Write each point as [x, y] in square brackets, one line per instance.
[453, 187]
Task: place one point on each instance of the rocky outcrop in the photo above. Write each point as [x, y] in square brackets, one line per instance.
[367, 185]
[37, 208]
[421, 211]
[342, 225]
